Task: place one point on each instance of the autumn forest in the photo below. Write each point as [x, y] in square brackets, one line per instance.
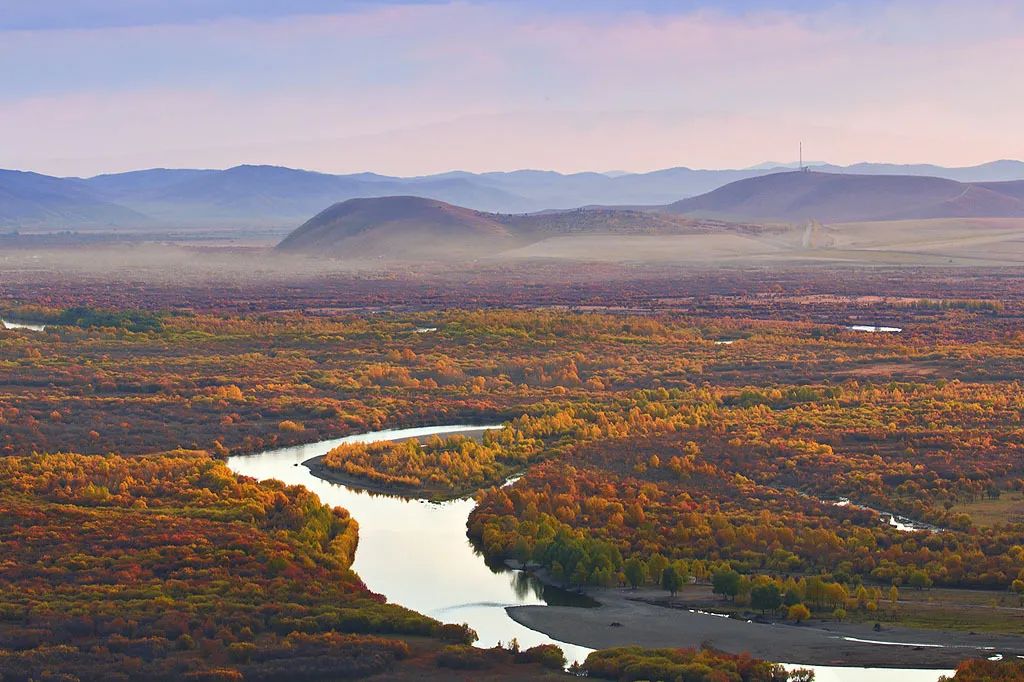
[747, 452]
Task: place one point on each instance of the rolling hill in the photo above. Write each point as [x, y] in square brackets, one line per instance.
[414, 228]
[29, 200]
[1013, 188]
[832, 197]
[397, 228]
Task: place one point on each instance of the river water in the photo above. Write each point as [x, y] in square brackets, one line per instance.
[874, 328]
[8, 324]
[416, 553]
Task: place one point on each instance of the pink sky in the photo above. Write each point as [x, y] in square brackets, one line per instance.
[420, 89]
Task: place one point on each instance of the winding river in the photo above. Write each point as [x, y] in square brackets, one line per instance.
[417, 554]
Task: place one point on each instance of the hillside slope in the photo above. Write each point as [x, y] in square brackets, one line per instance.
[801, 196]
[276, 196]
[413, 228]
[29, 200]
[402, 227]
[1004, 169]
[1012, 188]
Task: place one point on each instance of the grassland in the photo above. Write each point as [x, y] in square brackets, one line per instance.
[1007, 508]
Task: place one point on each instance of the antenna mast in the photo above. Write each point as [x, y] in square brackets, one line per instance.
[801, 156]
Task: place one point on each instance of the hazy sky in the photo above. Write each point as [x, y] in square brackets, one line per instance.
[90, 86]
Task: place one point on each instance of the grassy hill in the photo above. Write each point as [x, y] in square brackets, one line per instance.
[398, 227]
[831, 197]
[412, 228]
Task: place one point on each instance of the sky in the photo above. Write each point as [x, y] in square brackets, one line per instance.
[419, 87]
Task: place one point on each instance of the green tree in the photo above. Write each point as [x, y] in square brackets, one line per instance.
[815, 590]
[919, 580]
[655, 565]
[671, 581]
[580, 575]
[635, 571]
[558, 571]
[726, 583]
[683, 570]
[765, 597]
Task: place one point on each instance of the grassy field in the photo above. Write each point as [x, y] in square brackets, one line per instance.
[972, 610]
[959, 609]
[1009, 508]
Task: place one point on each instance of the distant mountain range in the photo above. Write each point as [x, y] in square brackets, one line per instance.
[272, 196]
[796, 196]
[417, 228]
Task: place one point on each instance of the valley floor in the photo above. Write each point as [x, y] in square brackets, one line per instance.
[814, 643]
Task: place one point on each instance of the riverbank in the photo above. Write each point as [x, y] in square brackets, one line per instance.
[436, 534]
[627, 617]
[451, 582]
[320, 470]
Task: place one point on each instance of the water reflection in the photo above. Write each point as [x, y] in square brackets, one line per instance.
[525, 586]
[901, 523]
[417, 554]
[874, 328]
[528, 587]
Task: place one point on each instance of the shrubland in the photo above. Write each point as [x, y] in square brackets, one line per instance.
[649, 449]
